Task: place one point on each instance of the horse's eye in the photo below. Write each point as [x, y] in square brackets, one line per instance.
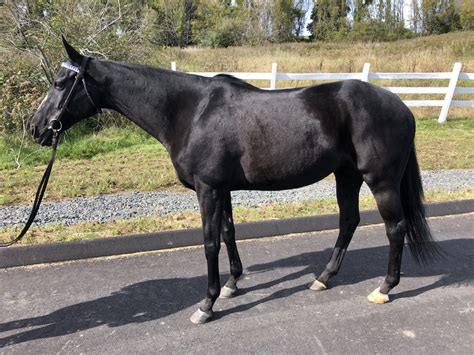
[58, 85]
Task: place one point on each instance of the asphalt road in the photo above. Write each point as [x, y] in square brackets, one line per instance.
[142, 303]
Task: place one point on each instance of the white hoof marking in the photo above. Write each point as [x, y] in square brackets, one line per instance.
[377, 297]
[317, 286]
[228, 292]
[200, 317]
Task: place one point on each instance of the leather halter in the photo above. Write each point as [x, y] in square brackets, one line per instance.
[55, 124]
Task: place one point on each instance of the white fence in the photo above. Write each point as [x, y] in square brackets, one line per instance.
[452, 89]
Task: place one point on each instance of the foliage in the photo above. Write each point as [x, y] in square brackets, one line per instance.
[282, 24]
[373, 30]
[467, 15]
[172, 22]
[21, 87]
[32, 47]
[329, 19]
[440, 16]
[218, 24]
[384, 20]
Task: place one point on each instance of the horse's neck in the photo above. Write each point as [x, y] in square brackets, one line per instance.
[152, 98]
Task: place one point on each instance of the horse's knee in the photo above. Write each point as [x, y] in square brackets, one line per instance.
[211, 249]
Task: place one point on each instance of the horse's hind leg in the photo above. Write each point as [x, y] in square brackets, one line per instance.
[347, 186]
[389, 204]
[228, 235]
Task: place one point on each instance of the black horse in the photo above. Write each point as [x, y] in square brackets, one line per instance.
[223, 134]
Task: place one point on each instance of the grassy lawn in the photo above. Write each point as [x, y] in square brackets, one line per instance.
[446, 146]
[106, 162]
[109, 162]
[424, 54]
[90, 230]
[124, 159]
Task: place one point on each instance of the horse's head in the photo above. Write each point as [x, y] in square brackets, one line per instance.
[54, 113]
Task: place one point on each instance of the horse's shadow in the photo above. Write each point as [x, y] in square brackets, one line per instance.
[136, 303]
[155, 299]
[455, 268]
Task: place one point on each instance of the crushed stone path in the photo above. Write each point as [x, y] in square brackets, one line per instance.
[130, 205]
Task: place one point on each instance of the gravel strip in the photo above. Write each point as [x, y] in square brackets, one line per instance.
[129, 205]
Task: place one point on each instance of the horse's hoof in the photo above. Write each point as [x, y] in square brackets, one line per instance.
[317, 286]
[228, 292]
[201, 317]
[377, 297]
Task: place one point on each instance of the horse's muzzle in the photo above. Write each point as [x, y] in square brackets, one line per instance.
[44, 139]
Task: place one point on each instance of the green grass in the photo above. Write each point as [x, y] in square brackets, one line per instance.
[182, 220]
[108, 162]
[445, 146]
[74, 145]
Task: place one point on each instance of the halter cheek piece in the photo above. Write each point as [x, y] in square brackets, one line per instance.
[55, 124]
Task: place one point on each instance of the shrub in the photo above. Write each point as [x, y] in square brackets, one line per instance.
[32, 48]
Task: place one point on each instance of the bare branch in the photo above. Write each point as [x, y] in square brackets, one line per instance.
[95, 52]
[44, 60]
[92, 37]
[16, 155]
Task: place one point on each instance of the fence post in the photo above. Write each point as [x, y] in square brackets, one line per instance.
[443, 116]
[365, 72]
[273, 78]
[173, 66]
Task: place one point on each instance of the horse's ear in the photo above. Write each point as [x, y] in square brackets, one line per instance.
[74, 55]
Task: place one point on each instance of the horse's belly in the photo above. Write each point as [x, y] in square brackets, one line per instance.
[285, 173]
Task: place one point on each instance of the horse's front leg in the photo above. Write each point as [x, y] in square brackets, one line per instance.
[211, 204]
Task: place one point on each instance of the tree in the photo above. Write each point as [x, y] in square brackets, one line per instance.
[440, 16]
[218, 23]
[300, 8]
[361, 10]
[282, 24]
[173, 22]
[328, 18]
[467, 15]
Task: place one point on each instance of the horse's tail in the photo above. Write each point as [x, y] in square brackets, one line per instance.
[420, 240]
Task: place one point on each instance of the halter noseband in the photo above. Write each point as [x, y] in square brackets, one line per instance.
[55, 124]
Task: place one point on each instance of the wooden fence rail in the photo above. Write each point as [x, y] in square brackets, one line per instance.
[452, 89]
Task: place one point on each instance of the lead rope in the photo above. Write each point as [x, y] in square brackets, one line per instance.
[39, 193]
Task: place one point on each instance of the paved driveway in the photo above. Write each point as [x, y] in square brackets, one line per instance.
[142, 303]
